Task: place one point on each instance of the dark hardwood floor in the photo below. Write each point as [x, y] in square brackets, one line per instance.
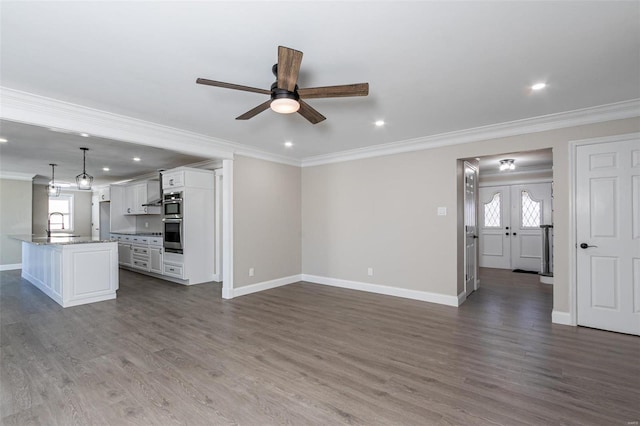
[308, 354]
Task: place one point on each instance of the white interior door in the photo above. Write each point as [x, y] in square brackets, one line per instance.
[495, 228]
[530, 208]
[470, 224]
[608, 235]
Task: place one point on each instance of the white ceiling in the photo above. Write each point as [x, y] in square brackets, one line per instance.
[32, 148]
[433, 67]
[538, 160]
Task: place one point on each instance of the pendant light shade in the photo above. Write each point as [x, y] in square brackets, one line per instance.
[52, 189]
[83, 180]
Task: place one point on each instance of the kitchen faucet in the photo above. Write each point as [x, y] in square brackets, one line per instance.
[49, 222]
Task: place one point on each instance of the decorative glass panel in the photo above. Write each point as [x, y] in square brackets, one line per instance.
[492, 212]
[530, 211]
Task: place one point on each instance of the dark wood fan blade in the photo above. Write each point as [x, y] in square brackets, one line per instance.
[360, 89]
[289, 61]
[310, 113]
[255, 111]
[232, 86]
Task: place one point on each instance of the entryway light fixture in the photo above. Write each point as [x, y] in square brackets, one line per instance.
[52, 189]
[83, 180]
[507, 164]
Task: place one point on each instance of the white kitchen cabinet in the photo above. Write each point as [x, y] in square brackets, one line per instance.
[172, 180]
[125, 253]
[155, 260]
[173, 270]
[137, 194]
[104, 194]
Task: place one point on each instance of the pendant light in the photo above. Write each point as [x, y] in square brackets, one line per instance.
[84, 180]
[52, 189]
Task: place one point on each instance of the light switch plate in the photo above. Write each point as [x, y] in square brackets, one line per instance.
[442, 211]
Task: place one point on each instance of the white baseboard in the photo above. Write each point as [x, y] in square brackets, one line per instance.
[266, 285]
[462, 297]
[546, 280]
[10, 266]
[559, 317]
[424, 296]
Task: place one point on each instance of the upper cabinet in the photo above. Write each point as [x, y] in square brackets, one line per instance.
[104, 194]
[138, 194]
[186, 177]
[171, 180]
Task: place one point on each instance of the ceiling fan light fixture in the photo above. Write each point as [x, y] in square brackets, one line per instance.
[285, 105]
[84, 180]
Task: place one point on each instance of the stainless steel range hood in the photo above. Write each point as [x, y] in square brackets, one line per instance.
[157, 202]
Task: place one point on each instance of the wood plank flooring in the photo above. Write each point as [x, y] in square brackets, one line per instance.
[306, 354]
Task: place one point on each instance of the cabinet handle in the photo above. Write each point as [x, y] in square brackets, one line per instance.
[145, 209]
[128, 210]
[171, 182]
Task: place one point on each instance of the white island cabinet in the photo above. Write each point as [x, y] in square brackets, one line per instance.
[71, 270]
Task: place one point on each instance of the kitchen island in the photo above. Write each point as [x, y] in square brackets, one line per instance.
[72, 270]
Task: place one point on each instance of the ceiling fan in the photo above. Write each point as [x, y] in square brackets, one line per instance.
[286, 97]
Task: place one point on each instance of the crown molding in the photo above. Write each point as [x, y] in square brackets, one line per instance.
[28, 108]
[38, 110]
[591, 115]
[17, 176]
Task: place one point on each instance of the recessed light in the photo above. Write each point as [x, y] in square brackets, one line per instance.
[84, 135]
[288, 144]
[3, 140]
[136, 158]
[538, 86]
[380, 123]
[106, 169]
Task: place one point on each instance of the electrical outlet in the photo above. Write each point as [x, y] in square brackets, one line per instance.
[146, 224]
[251, 272]
[370, 272]
[442, 211]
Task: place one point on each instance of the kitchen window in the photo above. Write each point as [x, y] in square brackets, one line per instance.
[61, 204]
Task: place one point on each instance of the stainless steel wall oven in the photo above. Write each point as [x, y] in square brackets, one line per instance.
[172, 217]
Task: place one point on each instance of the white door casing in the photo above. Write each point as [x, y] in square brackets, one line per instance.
[470, 224]
[510, 219]
[607, 206]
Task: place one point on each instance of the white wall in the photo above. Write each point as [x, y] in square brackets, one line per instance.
[267, 224]
[15, 218]
[81, 212]
[381, 212]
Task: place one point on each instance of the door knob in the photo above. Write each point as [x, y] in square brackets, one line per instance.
[585, 246]
[506, 233]
[506, 227]
[475, 236]
[514, 234]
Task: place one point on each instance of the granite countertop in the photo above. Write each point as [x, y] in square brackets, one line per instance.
[140, 234]
[58, 239]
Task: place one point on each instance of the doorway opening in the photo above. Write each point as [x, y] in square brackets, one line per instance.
[506, 215]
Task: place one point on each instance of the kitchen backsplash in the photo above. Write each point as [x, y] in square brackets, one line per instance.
[149, 223]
